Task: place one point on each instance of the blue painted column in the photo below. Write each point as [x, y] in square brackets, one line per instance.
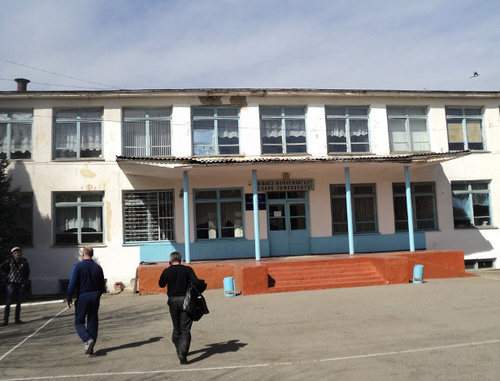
[350, 227]
[187, 234]
[256, 225]
[409, 209]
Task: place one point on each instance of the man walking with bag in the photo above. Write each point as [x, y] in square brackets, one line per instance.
[177, 278]
[87, 281]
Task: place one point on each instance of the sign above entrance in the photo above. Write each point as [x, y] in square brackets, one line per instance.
[285, 185]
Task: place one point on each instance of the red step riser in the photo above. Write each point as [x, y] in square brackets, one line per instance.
[325, 287]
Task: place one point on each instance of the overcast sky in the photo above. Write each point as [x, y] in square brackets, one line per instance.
[327, 44]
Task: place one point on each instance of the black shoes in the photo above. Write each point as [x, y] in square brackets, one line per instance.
[4, 324]
[182, 359]
[19, 321]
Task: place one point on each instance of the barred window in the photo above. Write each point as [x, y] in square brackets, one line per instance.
[423, 206]
[149, 216]
[146, 132]
[16, 140]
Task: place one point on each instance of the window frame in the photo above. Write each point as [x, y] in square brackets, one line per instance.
[470, 192]
[415, 193]
[218, 201]
[347, 117]
[464, 118]
[150, 223]
[78, 121]
[408, 116]
[26, 205]
[283, 118]
[354, 197]
[9, 122]
[79, 205]
[217, 119]
[148, 121]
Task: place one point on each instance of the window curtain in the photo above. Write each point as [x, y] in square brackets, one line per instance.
[227, 129]
[295, 128]
[271, 128]
[90, 136]
[21, 137]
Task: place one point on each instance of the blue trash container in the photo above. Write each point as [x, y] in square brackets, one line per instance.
[229, 289]
[418, 274]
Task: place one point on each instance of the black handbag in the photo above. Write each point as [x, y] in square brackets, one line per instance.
[194, 303]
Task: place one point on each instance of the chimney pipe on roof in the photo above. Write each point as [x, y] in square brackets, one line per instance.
[22, 84]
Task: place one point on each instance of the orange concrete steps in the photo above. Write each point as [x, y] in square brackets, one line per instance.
[320, 275]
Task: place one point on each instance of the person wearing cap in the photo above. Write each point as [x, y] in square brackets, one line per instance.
[87, 282]
[18, 272]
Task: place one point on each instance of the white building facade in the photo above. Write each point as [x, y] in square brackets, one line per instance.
[249, 173]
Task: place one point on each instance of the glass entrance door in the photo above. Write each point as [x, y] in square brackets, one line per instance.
[288, 223]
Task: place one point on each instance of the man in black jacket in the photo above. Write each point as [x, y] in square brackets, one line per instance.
[18, 271]
[177, 277]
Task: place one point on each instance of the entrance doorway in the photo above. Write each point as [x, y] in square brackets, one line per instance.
[288, 223]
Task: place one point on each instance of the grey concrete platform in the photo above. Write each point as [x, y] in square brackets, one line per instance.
[445, 329]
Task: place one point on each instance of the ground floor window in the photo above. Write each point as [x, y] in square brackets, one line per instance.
[471, 203]
[24, 220]
[218, 213]
[78, 218]
[363, 208]
[423, 205]
[148, 216]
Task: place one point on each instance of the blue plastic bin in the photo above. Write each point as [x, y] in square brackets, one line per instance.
[229, 287]
[418, 274]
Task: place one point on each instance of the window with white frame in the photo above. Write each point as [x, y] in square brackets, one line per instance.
[423, 206]
[363, 208]
[408, 129]
[465, 130]
[78, 218]
[219, 213]
[283, 129]
[471, 203]
[347, 129]
[24, 220]
[147, 132]
[215, 130]
[16, 134]
[148, 216]
[78, 134]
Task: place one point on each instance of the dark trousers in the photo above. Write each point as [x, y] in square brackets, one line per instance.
[14, 293]
[87, 307]
[181, 335]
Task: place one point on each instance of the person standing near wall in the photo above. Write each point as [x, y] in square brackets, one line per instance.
[18, 272]
[87, 282]
[177, 277]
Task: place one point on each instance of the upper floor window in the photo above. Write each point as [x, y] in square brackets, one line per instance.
[408, 129]
[146, 132]
[16, 134]
[363, 208]
[347, 129]
[471, 203]
[215, 131]
[423, 206]
[148, 216]
[464, 128]
[78, 218]
[219, 213]
[78, 134]
[283, 129]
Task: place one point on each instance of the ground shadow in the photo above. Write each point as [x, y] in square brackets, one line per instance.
[217, 348]
[104, 351]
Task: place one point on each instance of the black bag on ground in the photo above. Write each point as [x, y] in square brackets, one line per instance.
[194, 303]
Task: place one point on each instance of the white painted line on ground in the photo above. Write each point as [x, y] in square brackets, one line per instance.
[39, 303]
[187, 370]
[33, 334]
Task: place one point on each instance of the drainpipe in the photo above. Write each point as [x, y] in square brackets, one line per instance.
[350, 229]
[187, 234]
[409, 210]
[22, 84]
[256, 215]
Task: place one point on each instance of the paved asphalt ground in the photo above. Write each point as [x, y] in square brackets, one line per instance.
[446, 329]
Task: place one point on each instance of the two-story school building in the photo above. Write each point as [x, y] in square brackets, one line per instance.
[249, 173]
